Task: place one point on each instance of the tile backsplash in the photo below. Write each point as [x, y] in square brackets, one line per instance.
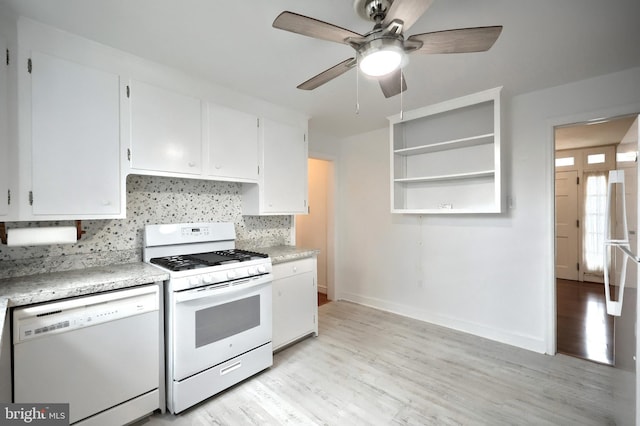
[150, 200]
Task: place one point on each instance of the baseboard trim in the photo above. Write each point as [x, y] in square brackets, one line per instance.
[514, 339]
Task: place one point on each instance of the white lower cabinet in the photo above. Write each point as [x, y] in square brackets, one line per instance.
[295, 301]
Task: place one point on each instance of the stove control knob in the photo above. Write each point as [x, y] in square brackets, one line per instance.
[208, 279]
[194, 280]
[252, 271]
[231, 275]
[262, 269]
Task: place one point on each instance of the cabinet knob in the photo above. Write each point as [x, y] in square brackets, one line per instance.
[192, 164]
[218, 166]
[295, 269]
[106, 202]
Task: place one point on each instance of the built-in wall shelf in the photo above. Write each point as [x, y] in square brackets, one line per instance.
[469, 175]
[445, 158]
[446, 145]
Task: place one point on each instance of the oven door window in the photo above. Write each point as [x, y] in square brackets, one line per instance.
[222, 321]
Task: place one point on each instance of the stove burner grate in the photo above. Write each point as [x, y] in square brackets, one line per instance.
[203, 260]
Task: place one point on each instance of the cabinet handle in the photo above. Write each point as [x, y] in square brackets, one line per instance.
[295, 269]
[106, 202]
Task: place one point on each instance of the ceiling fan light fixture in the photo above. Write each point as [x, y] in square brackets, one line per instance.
[381, 57]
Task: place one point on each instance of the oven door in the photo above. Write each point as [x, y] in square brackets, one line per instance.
[214, 324]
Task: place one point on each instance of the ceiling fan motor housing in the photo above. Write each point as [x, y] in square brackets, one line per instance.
[372, 10]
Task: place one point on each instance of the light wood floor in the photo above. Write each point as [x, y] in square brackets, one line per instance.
[370, 367]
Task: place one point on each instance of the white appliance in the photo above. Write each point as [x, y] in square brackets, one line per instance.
[621, 276]
[218, 309]
[99, 353]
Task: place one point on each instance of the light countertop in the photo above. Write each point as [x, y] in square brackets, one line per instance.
[79, 282]
[283, 253]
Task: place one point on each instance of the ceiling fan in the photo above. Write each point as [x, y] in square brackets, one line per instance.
[382, 52]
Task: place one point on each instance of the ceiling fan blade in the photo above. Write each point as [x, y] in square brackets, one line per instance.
[393, 83]
[407, 11]
[463, 40]
[328, 75]
[311, 27]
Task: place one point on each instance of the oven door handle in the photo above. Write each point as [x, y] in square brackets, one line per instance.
[237, 286]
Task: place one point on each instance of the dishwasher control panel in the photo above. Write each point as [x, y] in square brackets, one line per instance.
[58, 317]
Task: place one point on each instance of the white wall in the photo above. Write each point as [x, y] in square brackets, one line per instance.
[491, 275]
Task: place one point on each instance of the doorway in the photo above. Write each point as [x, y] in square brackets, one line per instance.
[585, 152]
[315, 229]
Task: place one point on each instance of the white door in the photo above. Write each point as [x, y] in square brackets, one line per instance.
[567, 225]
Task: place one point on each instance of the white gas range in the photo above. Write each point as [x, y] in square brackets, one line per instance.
[218, 309]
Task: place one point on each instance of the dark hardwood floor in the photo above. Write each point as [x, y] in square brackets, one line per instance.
[322, 299]
[584, 329]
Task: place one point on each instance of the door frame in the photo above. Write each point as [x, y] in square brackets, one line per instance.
[552, 123]
[331, 221]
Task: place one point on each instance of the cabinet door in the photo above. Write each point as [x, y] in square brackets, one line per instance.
[233, 144]
[166, 130]
[285, 169]
[294, 308]
[75, 138]
[4, 134]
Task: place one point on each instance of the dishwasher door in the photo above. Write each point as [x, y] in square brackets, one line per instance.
[92, 352]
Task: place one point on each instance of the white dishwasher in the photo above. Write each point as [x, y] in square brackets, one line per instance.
[99, 353]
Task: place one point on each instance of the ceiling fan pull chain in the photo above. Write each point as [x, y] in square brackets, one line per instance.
[401, 95]
[357, 85]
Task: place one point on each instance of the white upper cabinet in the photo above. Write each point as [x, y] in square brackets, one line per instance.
[4, 132]
[282, 187]
[87, 115]
[233, 144]
[166, 130]
[75, 139]
[445, 158]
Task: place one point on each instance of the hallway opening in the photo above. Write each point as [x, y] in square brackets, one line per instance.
[584, 155]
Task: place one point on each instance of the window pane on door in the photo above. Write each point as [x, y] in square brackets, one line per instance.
[594, 210]
[222, 321]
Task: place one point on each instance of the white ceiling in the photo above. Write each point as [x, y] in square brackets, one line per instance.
[584, 135]
[544, 43]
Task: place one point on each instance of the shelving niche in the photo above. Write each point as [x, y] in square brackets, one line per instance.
[445, 158]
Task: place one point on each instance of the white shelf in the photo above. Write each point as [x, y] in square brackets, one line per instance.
[453, 176]
[445, 158]
[447, 145]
